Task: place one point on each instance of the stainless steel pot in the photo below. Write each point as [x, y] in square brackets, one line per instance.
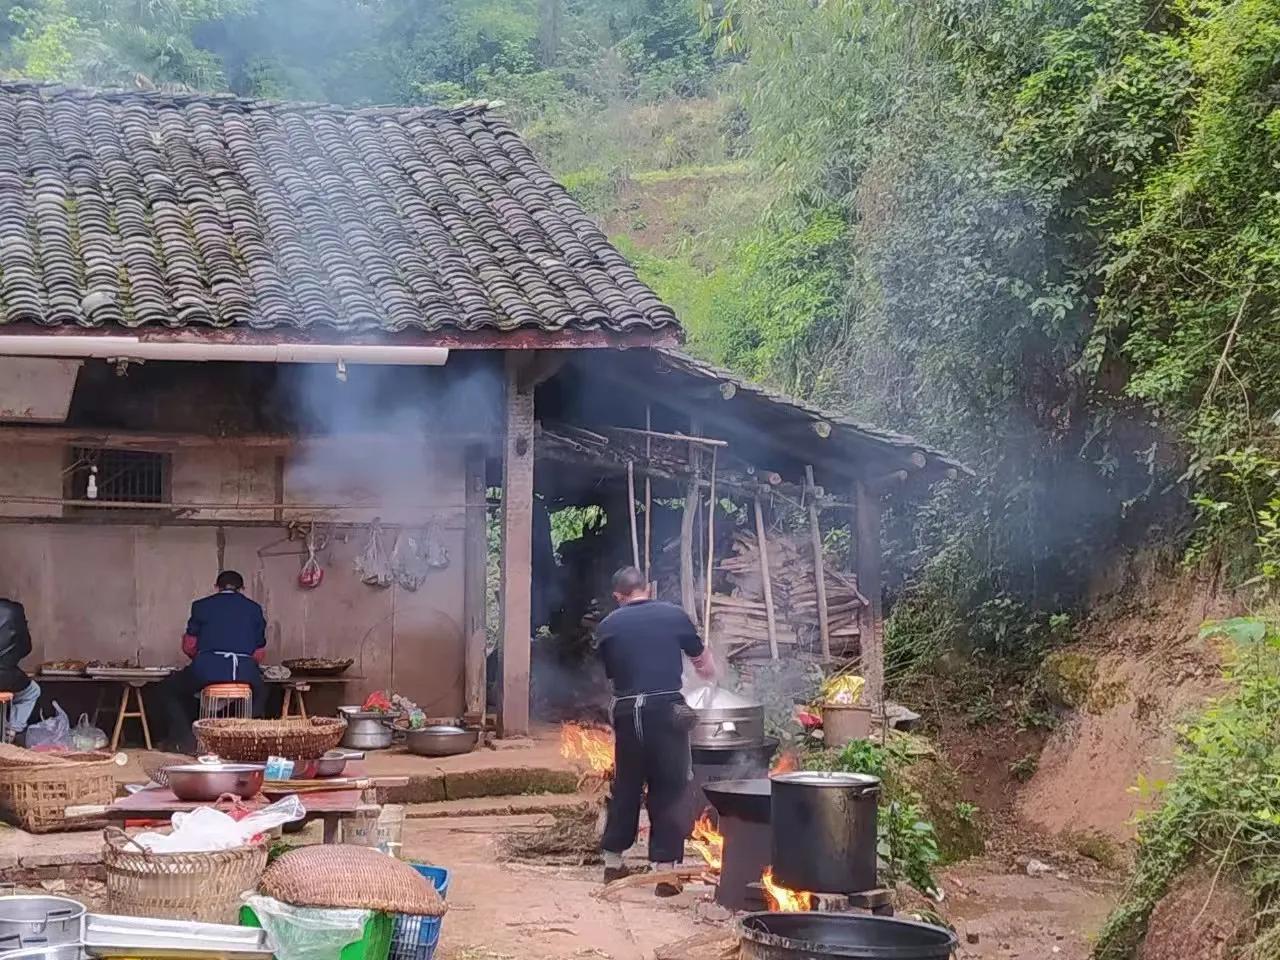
[366, 730]
[206, 781]
[61, 951]
[724, 719]
[824, 830]
[38, 921]
[441, 741]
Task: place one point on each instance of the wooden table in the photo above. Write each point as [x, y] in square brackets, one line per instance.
[296, 686]
[129, 688]
[331, 806]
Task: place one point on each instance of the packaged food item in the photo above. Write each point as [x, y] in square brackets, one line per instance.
[278, 768]
[844, 690]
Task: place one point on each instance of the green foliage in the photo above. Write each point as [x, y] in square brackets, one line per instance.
[1221, 808]
[907, 842]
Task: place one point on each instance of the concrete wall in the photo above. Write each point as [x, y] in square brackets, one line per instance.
[97, 590]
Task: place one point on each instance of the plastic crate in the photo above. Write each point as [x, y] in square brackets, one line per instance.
[374, 945]
[416, 938]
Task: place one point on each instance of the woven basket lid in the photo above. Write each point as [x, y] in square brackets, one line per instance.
[340, 875]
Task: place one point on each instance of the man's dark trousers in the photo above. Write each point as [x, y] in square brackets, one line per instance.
[655, 754]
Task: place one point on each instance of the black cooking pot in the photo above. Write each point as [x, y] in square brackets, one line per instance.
[841, 936]
[824, 831]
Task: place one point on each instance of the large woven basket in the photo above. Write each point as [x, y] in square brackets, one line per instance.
[254, 741]
[337, 875]
[179, 886]
[35, 797]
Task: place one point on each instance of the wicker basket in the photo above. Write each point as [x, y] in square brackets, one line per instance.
[35, 797]
[179, 886]
[338, 875]
[254, 741]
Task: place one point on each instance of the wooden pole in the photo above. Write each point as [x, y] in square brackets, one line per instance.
[631, 514]
[819, 569]
[711, 550]
[475, 557]
[866, 531]
[770, 618]
[648, 501]
[517, 550]
[687, 598]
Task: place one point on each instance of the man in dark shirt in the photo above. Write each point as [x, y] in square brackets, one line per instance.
[226, 639]
[15, 643]
[642, 643]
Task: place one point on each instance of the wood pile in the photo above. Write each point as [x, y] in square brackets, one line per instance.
[740, 618]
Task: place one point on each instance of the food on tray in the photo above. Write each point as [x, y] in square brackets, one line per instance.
[108, 664]
[318, 666]
[64, 666]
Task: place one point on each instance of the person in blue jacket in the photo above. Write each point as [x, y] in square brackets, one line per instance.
[226, 639]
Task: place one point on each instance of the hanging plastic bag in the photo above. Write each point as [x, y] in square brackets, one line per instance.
[311, 574]
[372, 563]
[434, 552]
[50, 733]
[407, 564]
[307, 933]
[85, 736]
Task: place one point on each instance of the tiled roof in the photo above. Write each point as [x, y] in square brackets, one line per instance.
[139, 208]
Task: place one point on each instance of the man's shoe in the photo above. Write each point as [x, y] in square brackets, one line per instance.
[617, 873]
[668, 889]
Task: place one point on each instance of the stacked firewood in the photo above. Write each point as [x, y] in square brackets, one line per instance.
[740, 618]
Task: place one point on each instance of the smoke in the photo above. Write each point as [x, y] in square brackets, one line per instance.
[391, 438]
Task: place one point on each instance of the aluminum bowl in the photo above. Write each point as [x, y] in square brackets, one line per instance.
[206, 782]
[441, 741]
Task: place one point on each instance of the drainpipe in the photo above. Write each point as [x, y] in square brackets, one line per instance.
[133, 348]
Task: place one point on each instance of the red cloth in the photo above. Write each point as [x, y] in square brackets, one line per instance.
[259, 655]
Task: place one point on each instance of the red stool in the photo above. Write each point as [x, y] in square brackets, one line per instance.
[226, 700]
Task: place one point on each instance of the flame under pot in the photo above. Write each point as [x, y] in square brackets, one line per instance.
[824, 831]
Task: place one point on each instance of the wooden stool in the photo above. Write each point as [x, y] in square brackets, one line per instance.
[6, 700]
[294, 691]
[226, 700]
[131, 688]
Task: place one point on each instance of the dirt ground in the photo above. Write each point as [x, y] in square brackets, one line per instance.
[501, 910]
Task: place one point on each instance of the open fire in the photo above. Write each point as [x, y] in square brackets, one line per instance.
[588, 746]
[782, 900]
[708, 842]
[786, 763]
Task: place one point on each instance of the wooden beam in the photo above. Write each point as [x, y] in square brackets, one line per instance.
[711, 548]
[688, 600]
[648, 504]
[127, 439]
[527, 338]
[631, 514]
[475, 556]
[770, 618]
[819, 569]
[866, 529]
[517, 551]
[683, 438]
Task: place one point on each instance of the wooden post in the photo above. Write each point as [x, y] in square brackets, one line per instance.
[475, 555]
[517, 550]
[819, 569]
[631, 514]
[770, 618]
[711, 550]
[866, 537]
[687, 598]
[648, 498]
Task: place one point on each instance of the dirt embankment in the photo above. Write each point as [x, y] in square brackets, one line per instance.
[1139, 670]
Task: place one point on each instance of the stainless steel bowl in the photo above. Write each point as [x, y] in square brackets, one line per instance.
[38, 921]
[441, 741]
[61, 951]
[206, 782]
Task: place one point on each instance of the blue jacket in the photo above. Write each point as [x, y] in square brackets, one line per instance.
[228, 628]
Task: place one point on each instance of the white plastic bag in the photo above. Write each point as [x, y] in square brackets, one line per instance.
[205, 828]
[85, 736]
[372, 564]
[50, 733]
[307, 933]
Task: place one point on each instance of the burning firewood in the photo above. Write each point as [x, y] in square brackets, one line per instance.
[681, 875]
[782, 899]
[708, 842]
[591, 749]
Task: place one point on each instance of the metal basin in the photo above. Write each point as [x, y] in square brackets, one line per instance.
[206, 782]
[37, 921]
[841, 936]
[441, 741]
[332, 764]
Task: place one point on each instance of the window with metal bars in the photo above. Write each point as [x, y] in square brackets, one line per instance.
[112, 477]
